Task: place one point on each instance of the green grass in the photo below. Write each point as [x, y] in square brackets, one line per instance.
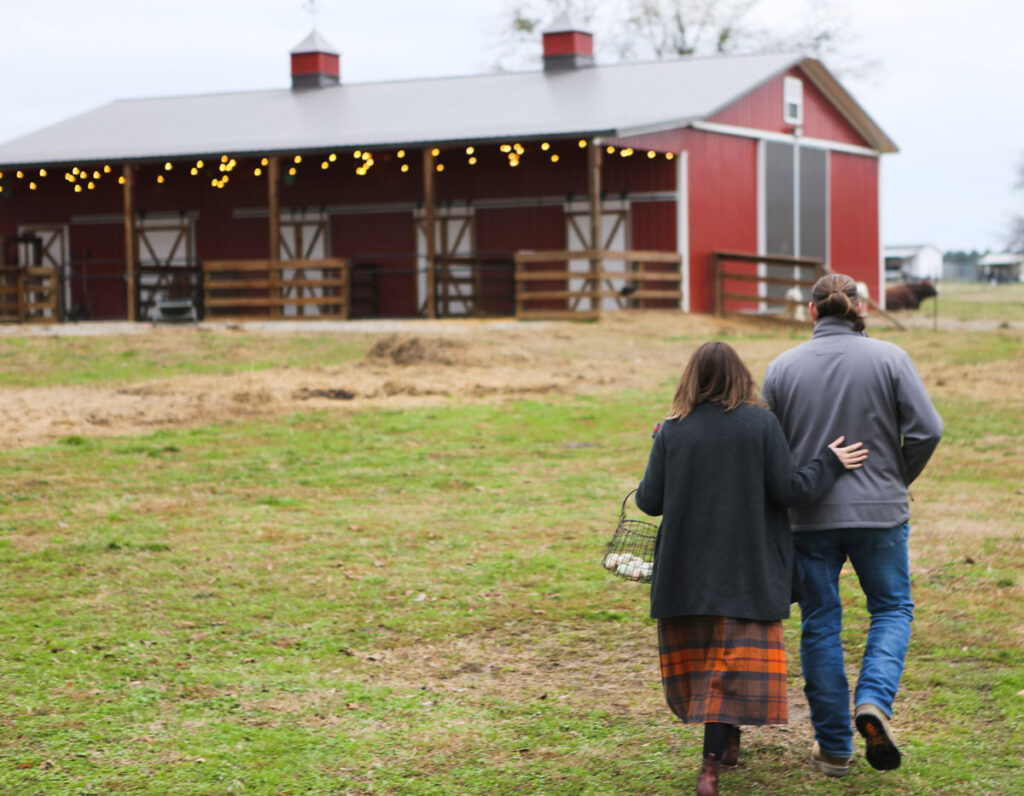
[410, 602]
[975, 301]
[42, 362]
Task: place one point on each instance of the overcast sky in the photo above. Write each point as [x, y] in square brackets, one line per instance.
[949, 88]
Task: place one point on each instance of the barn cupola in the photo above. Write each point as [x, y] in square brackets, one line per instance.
[315, 63]
[567, 46]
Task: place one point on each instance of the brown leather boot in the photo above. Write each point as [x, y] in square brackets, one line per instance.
[707, 782]
[731, 755]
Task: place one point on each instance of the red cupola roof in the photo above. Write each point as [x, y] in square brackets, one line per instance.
[567, 46]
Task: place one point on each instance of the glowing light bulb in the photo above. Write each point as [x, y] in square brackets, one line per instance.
[610, 149]
[435, 152]
[263, 162]
[31, 186]
[506, 147]
[120, 181]
[367, 156]
[470, 150]
[224, 180]
[513, 163]
[95, 175]
[199, 164]
[42, 172]
[223, 158]
[332, 157]
[325, 165]
[213, 182]
[292, 171]
[91, 185]
[361, 171]
[78, 189]
[106, 169]
[257, 171]
[297, 158]
[554, 158]
[439, 167]
[582, 143]
[19, 174]
[669, 155]
[193, 171]
[357, 154]
[405, 168]
[545, 146]
[74, 170]
[651, 153]
[400, 153]
[168, 166]
[472, 161]
[160, 178]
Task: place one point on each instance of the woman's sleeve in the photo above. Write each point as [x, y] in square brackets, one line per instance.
[790, 485]
[650, 494]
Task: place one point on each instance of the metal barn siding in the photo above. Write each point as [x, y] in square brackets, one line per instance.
[761, 109]
[652, 227]
[722, 200]
[382, 249]
[853, 213]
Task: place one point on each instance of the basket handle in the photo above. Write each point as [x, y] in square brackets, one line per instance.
[622, 511]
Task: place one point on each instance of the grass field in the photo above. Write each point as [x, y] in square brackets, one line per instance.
[407, 599]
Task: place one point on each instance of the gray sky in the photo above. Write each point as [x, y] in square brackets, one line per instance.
[949, 89]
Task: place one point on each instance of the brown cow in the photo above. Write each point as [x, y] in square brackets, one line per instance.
[908, 295]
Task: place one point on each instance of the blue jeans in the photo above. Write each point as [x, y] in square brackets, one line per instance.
[879, 557]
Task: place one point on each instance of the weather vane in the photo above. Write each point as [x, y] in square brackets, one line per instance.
[313, 7]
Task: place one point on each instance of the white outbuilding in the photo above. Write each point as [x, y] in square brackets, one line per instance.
[912, 262]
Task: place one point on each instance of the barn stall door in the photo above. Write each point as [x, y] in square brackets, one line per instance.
[97, 271]
[456, 281]
[615, 230]
[51, 294]
[304, 237]
[167, 267]
[382, 248]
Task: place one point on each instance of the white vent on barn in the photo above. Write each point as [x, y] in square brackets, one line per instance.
[793, 100]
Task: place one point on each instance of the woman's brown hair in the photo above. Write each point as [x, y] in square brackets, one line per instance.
[715, 374]
[836, 294]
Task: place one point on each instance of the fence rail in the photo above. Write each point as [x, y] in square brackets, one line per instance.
[279, 290]
[29, 294]
[601, 284]
[768, 297]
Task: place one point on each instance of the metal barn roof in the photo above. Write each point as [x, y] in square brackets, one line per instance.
[617, 100]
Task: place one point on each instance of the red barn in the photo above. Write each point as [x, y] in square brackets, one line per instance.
[419, 193]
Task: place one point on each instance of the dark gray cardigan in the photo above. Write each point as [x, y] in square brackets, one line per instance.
[722, 481]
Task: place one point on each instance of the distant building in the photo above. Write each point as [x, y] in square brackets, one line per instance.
[1000, 267]
[912, 262]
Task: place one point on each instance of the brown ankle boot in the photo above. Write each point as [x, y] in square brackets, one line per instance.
[707, 782]
[731, 755]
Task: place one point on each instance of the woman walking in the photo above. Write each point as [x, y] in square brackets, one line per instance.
[721, 475]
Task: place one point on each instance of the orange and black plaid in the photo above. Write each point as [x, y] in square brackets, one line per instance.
[715, 668]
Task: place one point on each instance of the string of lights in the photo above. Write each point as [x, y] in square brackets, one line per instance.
[88, 178]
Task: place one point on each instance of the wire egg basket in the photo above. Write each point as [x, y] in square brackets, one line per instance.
[630, 553]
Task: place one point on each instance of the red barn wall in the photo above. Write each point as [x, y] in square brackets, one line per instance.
[853, 217]
[762, 109]
[386, 240]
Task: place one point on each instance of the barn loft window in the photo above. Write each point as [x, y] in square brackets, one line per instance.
[793, 100]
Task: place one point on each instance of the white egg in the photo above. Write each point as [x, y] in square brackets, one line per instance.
[611, 561]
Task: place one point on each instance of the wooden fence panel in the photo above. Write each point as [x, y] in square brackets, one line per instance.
[261, 289]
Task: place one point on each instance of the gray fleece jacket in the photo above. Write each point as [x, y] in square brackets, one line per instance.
[842, 382]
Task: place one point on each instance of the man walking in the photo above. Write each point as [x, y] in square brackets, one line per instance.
[841, 381]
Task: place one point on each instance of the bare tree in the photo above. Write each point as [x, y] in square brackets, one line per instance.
[631, 30]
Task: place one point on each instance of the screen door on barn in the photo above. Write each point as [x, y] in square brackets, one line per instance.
[167, 261]
[456, 275]
[48, 292]
[615, 237]
[304, 239]
[794, 195]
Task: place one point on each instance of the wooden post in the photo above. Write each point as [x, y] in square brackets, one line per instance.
[131, 244]
[716, 268]
[429, 201]
[594, 188]
[274, 230]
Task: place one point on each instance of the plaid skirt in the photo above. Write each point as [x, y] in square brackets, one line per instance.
[715, 668]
